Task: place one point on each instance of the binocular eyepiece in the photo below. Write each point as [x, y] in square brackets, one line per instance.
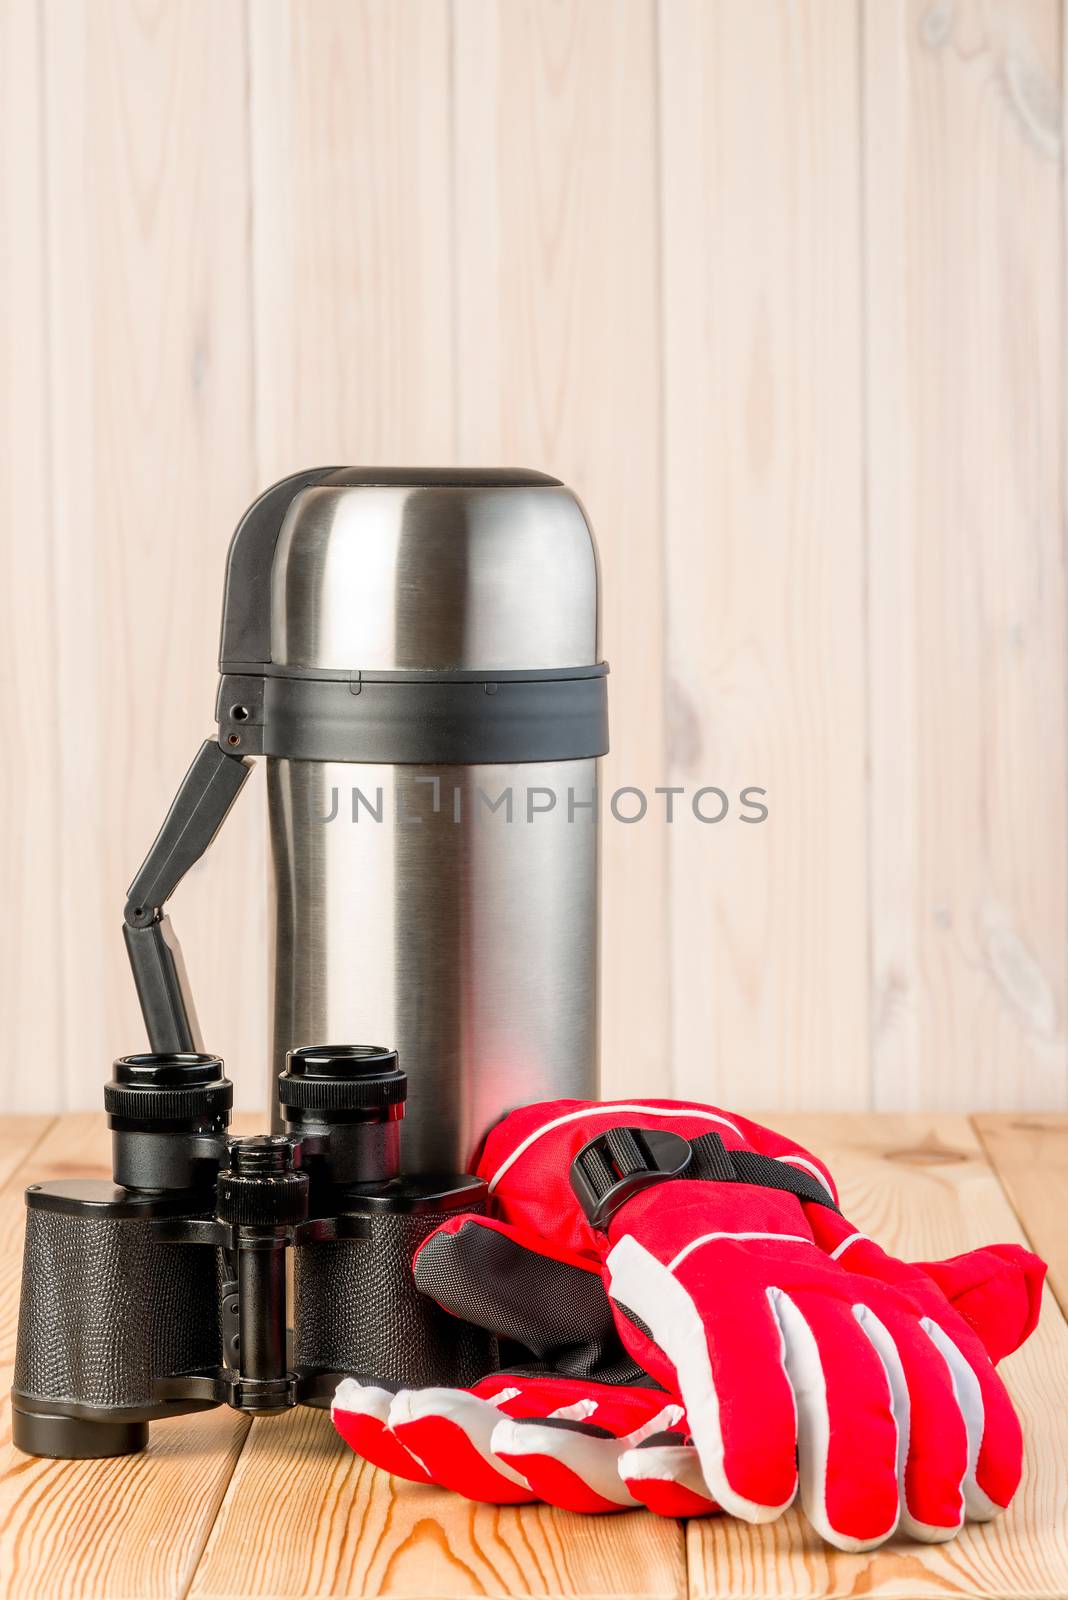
[166, 1291]
[168, 1116]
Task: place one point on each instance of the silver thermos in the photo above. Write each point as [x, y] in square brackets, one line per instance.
[416, 654]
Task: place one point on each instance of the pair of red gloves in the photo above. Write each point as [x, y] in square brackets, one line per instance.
[687, 1322]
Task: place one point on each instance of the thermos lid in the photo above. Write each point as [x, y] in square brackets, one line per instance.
[413, 615]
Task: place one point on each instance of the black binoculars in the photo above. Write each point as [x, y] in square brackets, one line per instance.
[167, 1292]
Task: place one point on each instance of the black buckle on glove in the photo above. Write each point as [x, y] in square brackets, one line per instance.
[619, 1163]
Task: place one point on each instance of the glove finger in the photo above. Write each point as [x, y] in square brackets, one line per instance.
[968, 1342]
[664, 1473]
[846, 1432]
[569, 1462]
[932, 1452]
[995, 1442]
[729, 1374]
[997, 1290]
[449, 1432]
[571, 1458]
[360, 1413]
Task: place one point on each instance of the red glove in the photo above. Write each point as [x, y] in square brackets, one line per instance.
[608, 1446]
[542, 1294]
[737, 1287]
[575, 1422]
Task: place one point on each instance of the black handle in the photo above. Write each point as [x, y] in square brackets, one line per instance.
[197, 812]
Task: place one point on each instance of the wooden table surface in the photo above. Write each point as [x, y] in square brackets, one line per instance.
[217, 1508]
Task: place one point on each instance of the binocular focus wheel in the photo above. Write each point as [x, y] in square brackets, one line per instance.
[42, 1433]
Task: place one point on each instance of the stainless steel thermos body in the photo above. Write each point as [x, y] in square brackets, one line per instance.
[469, 945]
[417, 656]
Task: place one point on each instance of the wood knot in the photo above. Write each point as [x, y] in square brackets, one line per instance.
[936, 24]
[931, 1153]
[683, 730]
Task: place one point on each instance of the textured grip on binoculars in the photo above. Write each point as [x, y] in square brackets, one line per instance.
[358, 1312]
[107, 1310]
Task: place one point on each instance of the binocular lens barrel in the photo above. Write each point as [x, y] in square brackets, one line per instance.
[345, 1103]
[168, 1116]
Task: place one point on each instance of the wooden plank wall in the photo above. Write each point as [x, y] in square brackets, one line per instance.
[777, 287]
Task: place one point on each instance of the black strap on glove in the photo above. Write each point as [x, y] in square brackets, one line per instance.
[619, 1163]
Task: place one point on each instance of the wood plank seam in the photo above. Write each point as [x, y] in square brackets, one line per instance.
[193, 1566]
[977, 1127]
[666, 693]
[1034, 1186]
[864, 429]
[32, 1003]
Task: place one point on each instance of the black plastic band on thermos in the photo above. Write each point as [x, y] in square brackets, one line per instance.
[412, 720]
